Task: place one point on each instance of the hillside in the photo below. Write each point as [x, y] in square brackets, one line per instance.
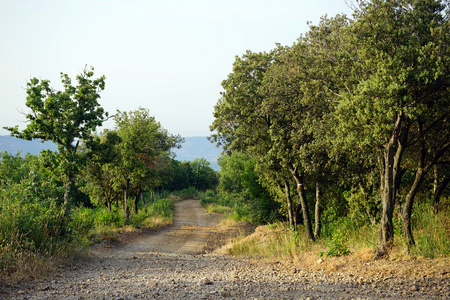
[13, 145]
[192, 148]
[198, 147]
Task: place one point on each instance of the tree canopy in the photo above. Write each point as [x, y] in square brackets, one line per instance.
[350, 99]
[64, 117]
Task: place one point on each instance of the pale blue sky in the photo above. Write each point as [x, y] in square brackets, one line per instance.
[169, 56]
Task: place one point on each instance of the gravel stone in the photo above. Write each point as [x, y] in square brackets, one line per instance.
[171, 264]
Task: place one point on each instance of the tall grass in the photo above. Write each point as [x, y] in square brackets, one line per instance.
[431, 231]
[37, 233]
[344, 236]
[33, 227]
[93, 224]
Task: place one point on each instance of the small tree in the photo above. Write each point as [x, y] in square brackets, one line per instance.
[98, 176]
[143, 139]
[64, 117]
[205, 177]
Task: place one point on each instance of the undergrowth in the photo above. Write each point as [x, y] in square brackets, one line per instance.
[345, 236]
[39, 236]
[236, 207]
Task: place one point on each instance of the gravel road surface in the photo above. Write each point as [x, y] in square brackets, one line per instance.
[171, 263]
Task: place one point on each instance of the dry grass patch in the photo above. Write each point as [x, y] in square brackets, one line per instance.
[269, 241]
[156, 222]
[274, 243]
[31, 265]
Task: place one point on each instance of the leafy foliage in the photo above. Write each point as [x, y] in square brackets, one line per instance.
[356, 105]
[64, 117]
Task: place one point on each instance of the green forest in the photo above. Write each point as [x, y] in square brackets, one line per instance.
[53, 205]
[342, 139]
[348, 129]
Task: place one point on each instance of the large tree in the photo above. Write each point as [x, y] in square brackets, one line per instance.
[401, 96]
[299, 93]
[143, 142]
[64, 117]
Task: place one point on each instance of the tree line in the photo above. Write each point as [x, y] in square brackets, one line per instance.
[95, 182]
[106, 168]
[357, 109]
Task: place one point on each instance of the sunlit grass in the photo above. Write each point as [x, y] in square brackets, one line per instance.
[22, 258]
[431, 232]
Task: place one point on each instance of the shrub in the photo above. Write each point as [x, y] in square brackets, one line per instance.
[431, 231]
[190, 193]
[33, 224]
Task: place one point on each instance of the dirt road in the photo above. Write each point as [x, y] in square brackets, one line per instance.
[171, 264]
[188, 234]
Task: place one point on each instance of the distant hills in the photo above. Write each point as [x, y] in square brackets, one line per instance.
[14, 145]
[198, 147]
[192, 148]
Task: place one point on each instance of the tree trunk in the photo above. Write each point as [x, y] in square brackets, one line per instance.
[69, 185]
[422, 169]
[136, 203]
[304, 204]
[125, 195]
[389, 172]
[108, 196]
[162, 191]
[407, 207]
[127, 215]
[289, 204]
[141, 195]
[386, 230]
[438, 188]
[318, 223]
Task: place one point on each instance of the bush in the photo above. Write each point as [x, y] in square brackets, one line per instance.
[190, 193]
[431, 231]
[237, 208]
[162, 207]
[33, 224]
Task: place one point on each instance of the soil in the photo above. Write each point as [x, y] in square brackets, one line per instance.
[180, 262]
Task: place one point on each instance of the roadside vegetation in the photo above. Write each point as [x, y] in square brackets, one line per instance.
[38, 233]
[337, 144]
[345, 229]
[54, 205]
[345, 134]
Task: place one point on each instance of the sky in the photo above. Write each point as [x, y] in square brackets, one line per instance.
[169, 56]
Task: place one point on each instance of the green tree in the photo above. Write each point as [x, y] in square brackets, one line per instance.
[232, 167]
[64, 117]
[238, 123]
[401, 95]
[143, 139]
[245, 122]
[13, 167]
[181, 176]
[97, 178]
[205, 177]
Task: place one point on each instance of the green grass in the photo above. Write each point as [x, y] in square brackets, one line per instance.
[343, 236]
[37, 237]
[431, 232]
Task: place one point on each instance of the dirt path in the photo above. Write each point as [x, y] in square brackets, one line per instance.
[169, 264]
[188, 234]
